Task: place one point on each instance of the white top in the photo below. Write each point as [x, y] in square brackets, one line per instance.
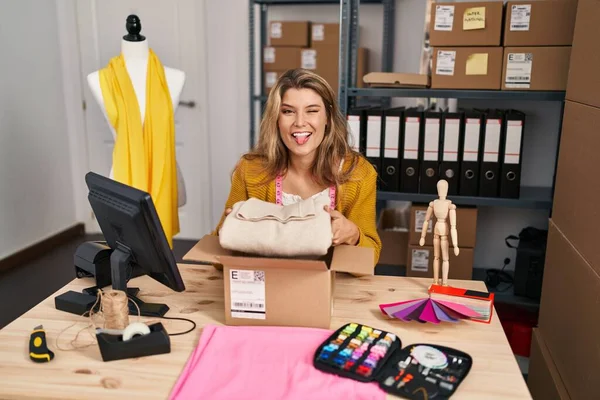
[287, 198]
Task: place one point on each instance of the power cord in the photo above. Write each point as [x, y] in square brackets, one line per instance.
[171, 318]
[494, 277]
[181, 319]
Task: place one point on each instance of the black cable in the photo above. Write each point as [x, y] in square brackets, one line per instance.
[497, 276]
[181, 319]
[178, 319]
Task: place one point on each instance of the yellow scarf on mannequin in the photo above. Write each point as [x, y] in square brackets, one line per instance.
[144, 153]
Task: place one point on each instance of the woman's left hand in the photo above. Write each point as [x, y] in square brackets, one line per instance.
[344, 231]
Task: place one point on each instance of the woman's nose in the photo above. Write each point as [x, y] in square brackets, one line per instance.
[299, 120]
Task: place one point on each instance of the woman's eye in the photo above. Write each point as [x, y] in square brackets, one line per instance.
[287, 111]
[313, 111]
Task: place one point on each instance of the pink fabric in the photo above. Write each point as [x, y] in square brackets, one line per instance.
[263, 363]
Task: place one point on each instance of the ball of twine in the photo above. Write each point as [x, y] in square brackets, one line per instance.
[115, 309]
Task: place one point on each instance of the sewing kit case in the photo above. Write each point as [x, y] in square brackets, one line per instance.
[417, 371]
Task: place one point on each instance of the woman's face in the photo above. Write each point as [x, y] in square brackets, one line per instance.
[302, 121]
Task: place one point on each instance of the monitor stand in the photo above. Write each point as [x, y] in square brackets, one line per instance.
[120, 265]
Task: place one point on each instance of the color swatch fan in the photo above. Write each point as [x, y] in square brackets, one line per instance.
[429, 310]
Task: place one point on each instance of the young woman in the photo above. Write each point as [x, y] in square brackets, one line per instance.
[303, 148]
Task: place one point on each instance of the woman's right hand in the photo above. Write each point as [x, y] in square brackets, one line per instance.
[228, 211]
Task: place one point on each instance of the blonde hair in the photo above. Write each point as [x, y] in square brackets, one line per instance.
[334, 148]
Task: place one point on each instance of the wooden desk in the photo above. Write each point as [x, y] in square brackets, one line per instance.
[81, 374]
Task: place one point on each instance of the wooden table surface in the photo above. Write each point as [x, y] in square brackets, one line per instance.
[81, 374]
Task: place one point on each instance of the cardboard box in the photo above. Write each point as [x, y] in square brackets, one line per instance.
[271, 79]
[577, 191]
[569, 321]
[281, 58]
[466, 218]
[325, 34]
[281, 291]
[396, 79]
[466, 24]
[539, 23]
[324, 60]
[543, 379]
[535, 68]
[289, 33]
[420, 263]
[466, 68]
[583, 85]
[393, 231]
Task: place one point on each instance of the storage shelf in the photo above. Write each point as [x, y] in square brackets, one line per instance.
[539, 198]
[459, 94]
[287, 2]
[505, 294]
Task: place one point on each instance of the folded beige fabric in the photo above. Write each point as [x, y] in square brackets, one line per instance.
[267, 229]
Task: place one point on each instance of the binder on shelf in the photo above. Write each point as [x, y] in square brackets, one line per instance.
[511, 160]
[452, 132]
[392, 148]
[357, 127]
[372, 139]
[489, 182]
[412, 128]
[469, 153]
[430, 153]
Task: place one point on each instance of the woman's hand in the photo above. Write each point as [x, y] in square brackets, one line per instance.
[228, 211]
[344, 231]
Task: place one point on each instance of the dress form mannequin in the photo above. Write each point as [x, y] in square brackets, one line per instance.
[442, 208]
[134, 48]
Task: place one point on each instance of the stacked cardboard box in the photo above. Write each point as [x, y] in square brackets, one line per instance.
[419, 261]
[569, 322]
[523, 45]
[466, 40]
[286, 40]
[392, 228]
[537, 44]
[305, 44]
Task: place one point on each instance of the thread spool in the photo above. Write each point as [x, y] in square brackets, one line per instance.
[115, 309]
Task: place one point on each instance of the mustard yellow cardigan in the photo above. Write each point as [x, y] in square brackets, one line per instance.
[355, 199]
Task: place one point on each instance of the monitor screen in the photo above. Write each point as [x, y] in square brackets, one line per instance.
[132, 229]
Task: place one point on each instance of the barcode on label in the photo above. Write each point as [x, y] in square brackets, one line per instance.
[259, 276]
[517, 78]
[444, 26]
[247, 304]
[521, 26]
[445, 70]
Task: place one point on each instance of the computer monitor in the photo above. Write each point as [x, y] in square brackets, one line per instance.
[132, 230]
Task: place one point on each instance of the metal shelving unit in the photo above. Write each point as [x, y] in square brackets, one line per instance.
[532, 197]
[348, 16]
[539, 198]
[460, 94]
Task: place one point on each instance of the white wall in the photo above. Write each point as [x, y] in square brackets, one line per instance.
[228, 87]
[36, 191]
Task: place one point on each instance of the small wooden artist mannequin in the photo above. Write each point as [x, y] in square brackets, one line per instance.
[442, 208]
